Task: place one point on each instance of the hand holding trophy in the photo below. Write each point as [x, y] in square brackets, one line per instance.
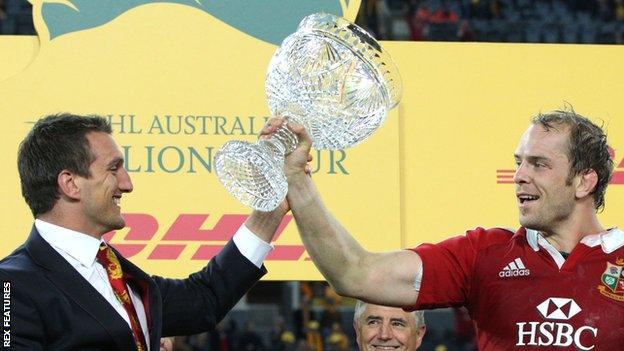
[332, 77]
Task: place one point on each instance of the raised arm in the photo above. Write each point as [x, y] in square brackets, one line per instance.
[381, 278]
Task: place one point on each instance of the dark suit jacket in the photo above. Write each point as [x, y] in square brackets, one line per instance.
[54, 308]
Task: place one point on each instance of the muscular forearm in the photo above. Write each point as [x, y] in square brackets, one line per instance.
[381, 278]
[336, 254]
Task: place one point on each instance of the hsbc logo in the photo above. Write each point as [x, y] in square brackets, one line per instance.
[558, 308]
[557, 334]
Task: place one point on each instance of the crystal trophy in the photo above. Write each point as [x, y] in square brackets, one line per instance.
[332, 77]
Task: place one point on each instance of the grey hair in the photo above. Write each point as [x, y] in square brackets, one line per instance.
[419, 315]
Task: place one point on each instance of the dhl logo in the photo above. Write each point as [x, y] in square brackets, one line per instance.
[142, 228]
[505, 176]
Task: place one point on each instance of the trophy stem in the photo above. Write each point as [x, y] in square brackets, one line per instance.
[254, 173]
[282, 142]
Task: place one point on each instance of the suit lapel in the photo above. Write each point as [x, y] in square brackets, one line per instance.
[68, 280]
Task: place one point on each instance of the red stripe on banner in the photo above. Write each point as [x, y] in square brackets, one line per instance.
[618, 178]
[286, 253]
[282, 226]
[504, 182]
[510, 176]
[187, 227]
[505, 171]
[129, 250]
[206, 252]
[166, 252]
[280, 253]
[142, 226]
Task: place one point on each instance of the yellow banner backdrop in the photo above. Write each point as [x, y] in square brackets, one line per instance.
[177, 83]
[464, 110]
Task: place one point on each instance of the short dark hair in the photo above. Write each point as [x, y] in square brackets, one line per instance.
[56, 142]
[588, 148]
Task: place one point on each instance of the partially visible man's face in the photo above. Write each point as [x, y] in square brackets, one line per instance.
[101, 192]
[387, 328]
[545, 199]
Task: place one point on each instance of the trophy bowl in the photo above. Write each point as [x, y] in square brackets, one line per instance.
[335, 79]
[332, 77]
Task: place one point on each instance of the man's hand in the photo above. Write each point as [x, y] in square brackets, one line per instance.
[296, 164]
[264, 224]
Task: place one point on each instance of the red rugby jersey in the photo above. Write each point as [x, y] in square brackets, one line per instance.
[522, 294]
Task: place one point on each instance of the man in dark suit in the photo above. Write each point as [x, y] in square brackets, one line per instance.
[72, 291]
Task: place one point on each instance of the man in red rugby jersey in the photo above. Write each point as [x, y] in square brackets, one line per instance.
[556, 282]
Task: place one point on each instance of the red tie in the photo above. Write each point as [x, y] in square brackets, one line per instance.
[107, 258]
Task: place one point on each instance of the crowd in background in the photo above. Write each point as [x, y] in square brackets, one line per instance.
[323, 321]
[532, 21]
[16, 18]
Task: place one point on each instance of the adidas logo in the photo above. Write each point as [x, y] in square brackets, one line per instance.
[515, 268]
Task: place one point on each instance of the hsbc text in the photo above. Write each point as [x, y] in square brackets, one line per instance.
[553, 334]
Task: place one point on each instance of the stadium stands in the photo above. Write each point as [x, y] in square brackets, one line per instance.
[532, 21]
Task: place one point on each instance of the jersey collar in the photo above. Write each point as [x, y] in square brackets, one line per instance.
[610, 240]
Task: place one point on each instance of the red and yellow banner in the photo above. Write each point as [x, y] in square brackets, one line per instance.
[174, 93]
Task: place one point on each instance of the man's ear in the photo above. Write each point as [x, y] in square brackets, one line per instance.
[420, 334]
[69, 184]
[585, 183]
[421, 331]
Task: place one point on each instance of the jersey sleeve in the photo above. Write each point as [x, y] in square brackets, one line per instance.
[448, 269]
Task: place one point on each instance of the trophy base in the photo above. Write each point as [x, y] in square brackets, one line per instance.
[252, 174]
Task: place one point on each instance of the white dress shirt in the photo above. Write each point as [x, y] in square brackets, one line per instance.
[79, 250]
